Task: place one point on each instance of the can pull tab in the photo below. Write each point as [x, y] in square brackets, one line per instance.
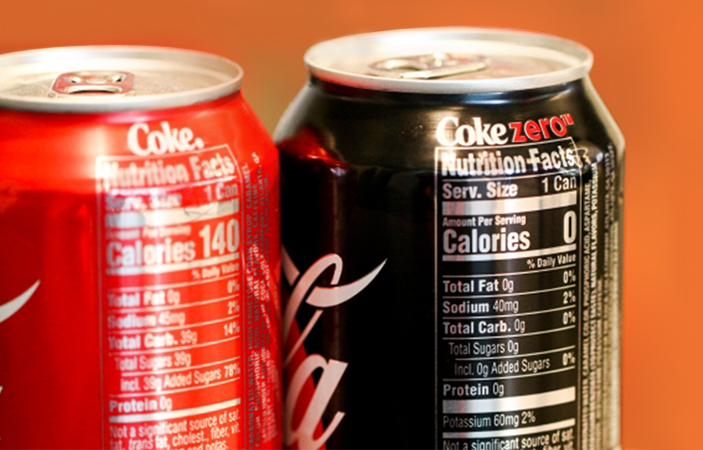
[93, 83]
[427, 67]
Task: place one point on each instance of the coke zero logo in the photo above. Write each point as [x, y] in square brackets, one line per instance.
[144, 142]
[304, 290]
[450, 133]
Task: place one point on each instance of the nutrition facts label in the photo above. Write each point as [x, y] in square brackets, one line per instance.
[172, 294]
[508, 283]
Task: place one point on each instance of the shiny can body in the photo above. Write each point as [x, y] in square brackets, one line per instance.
[453, 259]
[139, 273]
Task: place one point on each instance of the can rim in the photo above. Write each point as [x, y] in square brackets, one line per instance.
[317, 58]
[85, 104]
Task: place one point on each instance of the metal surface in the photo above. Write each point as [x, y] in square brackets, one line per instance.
[481, 60]
[435, 65]
[50, 79]
[93, 83]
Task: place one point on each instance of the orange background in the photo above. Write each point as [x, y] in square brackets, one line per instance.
[647, 69]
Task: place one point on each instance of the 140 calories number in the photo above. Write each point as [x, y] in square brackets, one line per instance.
[224, 238]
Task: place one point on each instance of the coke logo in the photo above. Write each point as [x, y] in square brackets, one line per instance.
[450, 133]
[304, 290]
[144, 142]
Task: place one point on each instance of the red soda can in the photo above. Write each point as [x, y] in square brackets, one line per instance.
[139, 254]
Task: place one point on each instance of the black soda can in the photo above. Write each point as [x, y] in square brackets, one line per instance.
[452, 229]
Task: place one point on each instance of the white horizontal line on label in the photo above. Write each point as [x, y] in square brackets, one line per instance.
[521, 402]
[502, 147]
[123, 310]
[174, 391]
[511, 255]
[546, 352]
[170, 349]
[179, 154]
[555, 330]
[153, 417]
[168, 217]
[509, 206]
[163, 268]
[524, 272]
[512, 377]
[146, 190]
[151, 287]
[511, 432]
[503, 316]
[561, 172]
[138, 330]
[514, 294]
[180, 369]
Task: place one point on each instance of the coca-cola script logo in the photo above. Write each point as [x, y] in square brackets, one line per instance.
[143, 141]
[300, 373]
[11, 307]
[15, 304]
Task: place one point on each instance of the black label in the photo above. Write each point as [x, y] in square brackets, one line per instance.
[509, 276]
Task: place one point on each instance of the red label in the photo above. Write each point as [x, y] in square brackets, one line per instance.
[139, 276]
[172, 294]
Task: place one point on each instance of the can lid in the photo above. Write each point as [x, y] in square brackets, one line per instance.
[449, 60]
[113, 78]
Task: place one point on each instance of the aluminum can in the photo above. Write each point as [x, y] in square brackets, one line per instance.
[451, 222]
[139, 254]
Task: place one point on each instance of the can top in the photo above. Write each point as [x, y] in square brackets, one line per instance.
[449, 60]
[113, 78]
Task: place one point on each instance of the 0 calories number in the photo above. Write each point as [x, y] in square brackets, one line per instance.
[225, 237]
